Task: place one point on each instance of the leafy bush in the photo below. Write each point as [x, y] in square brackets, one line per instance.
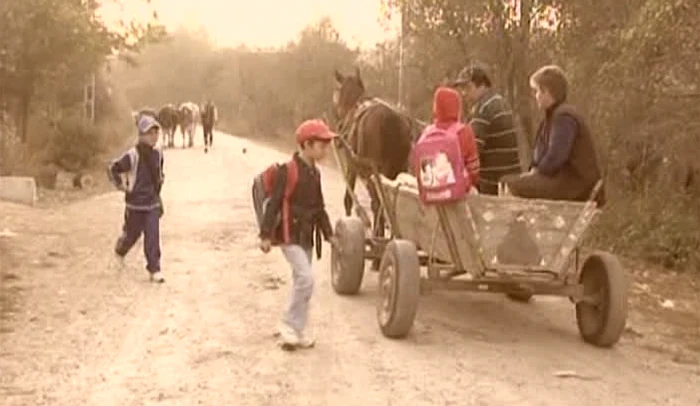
[661, 228]
[75, 145]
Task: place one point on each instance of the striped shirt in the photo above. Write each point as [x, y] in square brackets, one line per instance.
[494, 127]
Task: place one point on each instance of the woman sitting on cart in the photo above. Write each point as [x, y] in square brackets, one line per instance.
[564, 164]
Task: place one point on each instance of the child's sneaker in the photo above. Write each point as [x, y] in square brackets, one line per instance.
[306, 341]
[157, 277]
[288, 337]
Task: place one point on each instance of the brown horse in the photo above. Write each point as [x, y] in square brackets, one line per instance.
[376, 132]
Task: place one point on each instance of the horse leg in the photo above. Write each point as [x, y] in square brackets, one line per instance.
[347, 201]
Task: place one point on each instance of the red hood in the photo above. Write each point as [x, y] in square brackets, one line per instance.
[447, 105]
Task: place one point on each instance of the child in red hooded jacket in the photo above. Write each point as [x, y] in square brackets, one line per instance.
[447, 110]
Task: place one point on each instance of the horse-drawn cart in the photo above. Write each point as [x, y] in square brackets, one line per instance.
[518, 247]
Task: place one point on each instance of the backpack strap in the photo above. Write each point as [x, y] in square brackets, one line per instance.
[292, 177]
[290, 185]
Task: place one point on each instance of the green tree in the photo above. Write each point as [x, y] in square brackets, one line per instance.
[45, 44]
[259, 92]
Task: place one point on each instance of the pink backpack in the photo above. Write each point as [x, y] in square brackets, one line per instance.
[438, 165]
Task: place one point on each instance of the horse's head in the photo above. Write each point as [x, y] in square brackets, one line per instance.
[348, 91]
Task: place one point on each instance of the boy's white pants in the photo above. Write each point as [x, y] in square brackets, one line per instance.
[302, 287]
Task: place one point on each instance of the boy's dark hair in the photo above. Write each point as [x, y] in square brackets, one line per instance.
[477, 74]
[552, 79]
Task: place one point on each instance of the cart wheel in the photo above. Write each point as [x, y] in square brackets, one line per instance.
[348, 266]
[399, 285]
[602, 315]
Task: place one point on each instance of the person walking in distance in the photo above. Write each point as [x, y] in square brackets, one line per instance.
[494, 126]
[210, 116]
[139, 173]
[294, 218]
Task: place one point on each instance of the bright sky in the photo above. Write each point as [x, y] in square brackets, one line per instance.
[264, 23]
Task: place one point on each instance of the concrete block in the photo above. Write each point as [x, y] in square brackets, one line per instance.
[18, 189]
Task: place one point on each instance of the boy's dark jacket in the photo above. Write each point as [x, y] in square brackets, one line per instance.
[142, 187]
[308, 214]
[565, 158]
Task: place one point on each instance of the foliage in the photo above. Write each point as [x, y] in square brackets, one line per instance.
[47, 50]
[75, 144]
[48, 47]
[256, 91]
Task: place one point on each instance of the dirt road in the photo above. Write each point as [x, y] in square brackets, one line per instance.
[83, 334]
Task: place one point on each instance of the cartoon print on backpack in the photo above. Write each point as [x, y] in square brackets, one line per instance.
[427, 177]
[443, 173]
[436, 171]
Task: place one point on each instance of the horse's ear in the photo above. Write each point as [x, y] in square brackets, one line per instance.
[339, 76]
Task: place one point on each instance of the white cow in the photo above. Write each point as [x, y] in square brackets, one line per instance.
[189, 119]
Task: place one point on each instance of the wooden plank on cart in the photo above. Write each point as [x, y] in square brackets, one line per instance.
[421, 224]
[529, 233]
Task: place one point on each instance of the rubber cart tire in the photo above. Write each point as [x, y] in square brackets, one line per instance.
[348, 266]
[604, 280]
[399, 288]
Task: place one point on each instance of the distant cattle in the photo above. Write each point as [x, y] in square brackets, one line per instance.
[169, 118]
[189, 118]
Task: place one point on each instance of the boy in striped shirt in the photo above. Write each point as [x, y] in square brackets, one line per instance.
[494, 127]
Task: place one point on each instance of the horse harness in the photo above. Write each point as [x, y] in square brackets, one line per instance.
[348, 128]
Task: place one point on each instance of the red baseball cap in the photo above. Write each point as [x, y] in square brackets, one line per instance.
[314, 130]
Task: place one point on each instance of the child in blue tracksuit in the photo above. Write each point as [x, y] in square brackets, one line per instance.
[139, 173]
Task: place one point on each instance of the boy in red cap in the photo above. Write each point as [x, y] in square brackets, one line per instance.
[447, 110]
[303, 216]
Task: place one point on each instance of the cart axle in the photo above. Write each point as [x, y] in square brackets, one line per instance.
[575, 292]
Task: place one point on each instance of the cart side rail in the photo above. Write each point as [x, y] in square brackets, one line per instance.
[529, 233]
[492, 233]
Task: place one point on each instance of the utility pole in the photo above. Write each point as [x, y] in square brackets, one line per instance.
[402, 55]
[89, 99]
